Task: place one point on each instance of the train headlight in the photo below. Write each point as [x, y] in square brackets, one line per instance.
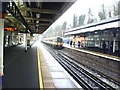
[58, 43]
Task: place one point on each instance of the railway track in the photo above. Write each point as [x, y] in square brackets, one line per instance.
[97, 63]
[82, 75]
[94, 73]
[94, 58]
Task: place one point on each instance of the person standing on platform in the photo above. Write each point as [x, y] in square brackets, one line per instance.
[104, 46]
[67, 42]
[111, 46]
[78, 44]
[71, 43]
[74, 44]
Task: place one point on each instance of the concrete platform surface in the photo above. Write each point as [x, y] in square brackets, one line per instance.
[59, 76]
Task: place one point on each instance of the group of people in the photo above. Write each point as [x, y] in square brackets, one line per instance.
[106, 47]
[73, 43]
[110, 47]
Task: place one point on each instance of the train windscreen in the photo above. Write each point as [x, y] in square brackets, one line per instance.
[59, 39]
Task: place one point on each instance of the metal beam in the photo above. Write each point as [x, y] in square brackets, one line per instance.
[40, 10]
[39, 32]
[13, 9]
[35, 32]
[30, 18]
[39, 19]
[20, 26]
[41, 24]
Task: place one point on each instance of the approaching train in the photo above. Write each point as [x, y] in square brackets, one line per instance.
[55, 42]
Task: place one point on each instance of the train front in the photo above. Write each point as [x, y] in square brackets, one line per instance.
[59, 42]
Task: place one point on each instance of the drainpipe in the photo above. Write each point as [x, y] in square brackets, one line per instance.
[114, 41]
[114, 45]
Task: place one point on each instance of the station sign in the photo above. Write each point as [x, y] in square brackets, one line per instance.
[10, 29]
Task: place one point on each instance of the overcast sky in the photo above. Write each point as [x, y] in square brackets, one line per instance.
[81, 7]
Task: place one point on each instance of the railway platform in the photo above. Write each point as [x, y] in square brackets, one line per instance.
[35, 68]
[20, 68]
[95, 51]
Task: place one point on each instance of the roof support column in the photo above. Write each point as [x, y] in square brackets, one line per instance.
[10, 39]
[1, 50]
[25, 38]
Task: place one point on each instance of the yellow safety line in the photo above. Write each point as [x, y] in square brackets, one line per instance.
[39, 70]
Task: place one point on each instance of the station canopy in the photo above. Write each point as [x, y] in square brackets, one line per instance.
[39, 15]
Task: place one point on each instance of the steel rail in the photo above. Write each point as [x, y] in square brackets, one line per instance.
[77, 72]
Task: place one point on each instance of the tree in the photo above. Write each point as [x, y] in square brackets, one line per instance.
[102, 13]
[109, 14]
[48, 32]
[57, 30]
[81, 20]
[90, 16]
[64, 25]
[74, 21]
[116, 9]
